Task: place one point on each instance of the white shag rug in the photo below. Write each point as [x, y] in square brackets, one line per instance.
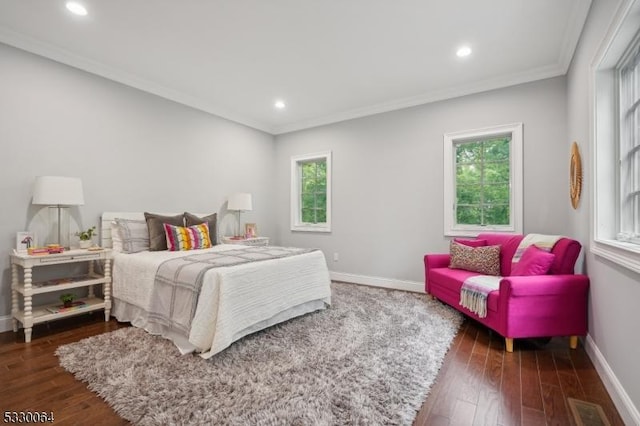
[370, 358]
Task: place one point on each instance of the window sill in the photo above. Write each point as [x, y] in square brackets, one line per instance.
[473, 232]
[622, 253]
[311, 228]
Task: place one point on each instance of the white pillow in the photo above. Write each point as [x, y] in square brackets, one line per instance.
[116, 239]
[134, 235]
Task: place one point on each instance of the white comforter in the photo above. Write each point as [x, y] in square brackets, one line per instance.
[234, 301]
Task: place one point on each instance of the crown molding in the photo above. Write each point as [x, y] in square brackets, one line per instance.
[429, 97]
[572, 34]
[58, 54]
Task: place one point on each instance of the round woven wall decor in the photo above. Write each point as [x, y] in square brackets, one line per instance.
[575, 175]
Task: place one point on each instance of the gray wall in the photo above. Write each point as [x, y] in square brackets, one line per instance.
[388, 176]
[615, 291]
[134, 152]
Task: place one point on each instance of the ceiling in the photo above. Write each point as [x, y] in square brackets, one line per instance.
[328, 60]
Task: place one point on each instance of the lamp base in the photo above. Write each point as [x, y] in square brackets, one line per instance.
[238, 235]
[59, 231]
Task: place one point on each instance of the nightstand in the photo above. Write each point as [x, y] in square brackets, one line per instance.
[255, 241]
[31, 314]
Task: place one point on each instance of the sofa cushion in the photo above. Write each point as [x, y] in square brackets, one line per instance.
[471, 243]
[484, 260]
[445, 284]
[508, 245]
[534, 261]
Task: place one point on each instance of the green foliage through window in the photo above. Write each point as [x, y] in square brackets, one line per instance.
[313, 193]
[483, 181]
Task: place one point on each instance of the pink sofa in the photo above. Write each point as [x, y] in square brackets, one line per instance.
[525, 306]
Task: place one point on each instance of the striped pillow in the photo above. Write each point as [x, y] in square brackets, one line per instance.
[187, 238]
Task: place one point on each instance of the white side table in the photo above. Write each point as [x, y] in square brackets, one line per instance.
[31, 314]
[255, 241]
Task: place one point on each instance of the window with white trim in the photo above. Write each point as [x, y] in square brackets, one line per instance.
[629, 145]
[483, 180]
[615, 84]
[311, 192]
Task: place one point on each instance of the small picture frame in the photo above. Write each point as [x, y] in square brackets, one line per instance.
[250, 230]
[25, 240]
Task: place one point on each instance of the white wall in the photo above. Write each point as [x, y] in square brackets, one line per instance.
[388, 176]
[615, 291]
[134, 151]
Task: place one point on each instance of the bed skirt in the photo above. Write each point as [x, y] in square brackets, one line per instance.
[138, 317]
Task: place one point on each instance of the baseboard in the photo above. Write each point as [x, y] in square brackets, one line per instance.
[5, 323]
[414, 286]
[621, 400]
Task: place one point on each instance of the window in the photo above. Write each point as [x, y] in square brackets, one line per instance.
[616, 147]
[629, 151]
[311, 192]
[483, 180]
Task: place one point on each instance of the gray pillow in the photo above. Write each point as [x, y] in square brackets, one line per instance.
[157, 236]
[192, 219]
[134, 234]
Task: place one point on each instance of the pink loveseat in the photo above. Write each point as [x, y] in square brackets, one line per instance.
[548, 305]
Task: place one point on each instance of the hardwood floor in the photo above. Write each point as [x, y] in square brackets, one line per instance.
[479, 383]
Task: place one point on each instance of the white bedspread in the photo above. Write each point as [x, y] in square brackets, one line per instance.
[234, 301]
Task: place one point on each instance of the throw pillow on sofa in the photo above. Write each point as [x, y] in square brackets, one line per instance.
[471, 243]
[484, 260]
[534, 261]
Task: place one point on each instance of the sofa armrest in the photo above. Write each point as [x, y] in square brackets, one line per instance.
[543, 305]
[432, 261]
[543, 285]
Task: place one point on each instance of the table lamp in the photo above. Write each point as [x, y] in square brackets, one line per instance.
[58, 192]
[240, 201]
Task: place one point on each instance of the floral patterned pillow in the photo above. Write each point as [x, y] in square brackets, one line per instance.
[484, 260]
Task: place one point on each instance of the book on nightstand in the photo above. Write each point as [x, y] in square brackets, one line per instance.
[77, 305]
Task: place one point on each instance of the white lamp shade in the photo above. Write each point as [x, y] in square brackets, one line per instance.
[240, 201]
[58, 191]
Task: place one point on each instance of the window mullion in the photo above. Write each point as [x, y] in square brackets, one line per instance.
[482, 206]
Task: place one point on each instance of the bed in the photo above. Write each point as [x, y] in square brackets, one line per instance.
[231, 301]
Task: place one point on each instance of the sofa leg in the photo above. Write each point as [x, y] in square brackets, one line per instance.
[573, 342]
[509, 344]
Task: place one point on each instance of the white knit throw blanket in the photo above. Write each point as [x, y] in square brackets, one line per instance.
[543, 242]
[475, 291]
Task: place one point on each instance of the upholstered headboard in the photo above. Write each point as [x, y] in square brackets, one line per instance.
[108, 217]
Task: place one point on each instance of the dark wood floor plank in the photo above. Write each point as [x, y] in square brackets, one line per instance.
[474, 373]
[531, 417]
[489, 397]
[540, 377]
[452, 381]
[530, 380]
[547, 368]
[570, 385]
[436, 420]
[555, 406]
[511, 408]
[463, 413]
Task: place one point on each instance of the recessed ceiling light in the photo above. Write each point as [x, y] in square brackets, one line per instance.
[76, 8]
[279, 104]
[463, 51]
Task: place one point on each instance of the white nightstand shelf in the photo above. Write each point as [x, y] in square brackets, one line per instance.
[41, 314]
[76, 282]
[29, 314]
